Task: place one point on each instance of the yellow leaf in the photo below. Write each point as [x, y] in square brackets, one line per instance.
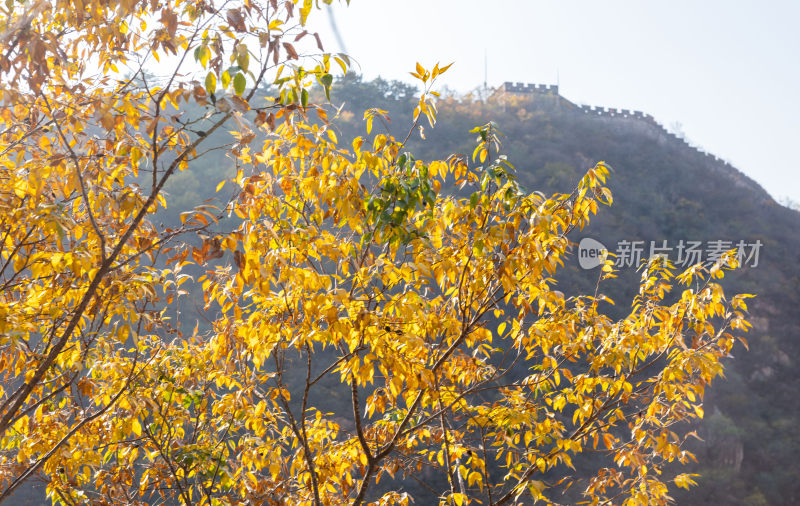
[444, 69]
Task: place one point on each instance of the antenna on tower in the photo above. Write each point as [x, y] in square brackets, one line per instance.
[335, 30]
[485, 70]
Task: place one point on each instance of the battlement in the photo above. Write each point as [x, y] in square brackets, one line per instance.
[611, 112]
[510, 87]
[639, 117]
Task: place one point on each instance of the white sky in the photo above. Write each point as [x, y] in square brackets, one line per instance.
[728, 71]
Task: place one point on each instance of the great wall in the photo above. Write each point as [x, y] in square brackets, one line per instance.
[638, 119]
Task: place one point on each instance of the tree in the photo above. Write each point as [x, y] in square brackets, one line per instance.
[421, 289]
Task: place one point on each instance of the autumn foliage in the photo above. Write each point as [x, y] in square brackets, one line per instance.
[421, 289]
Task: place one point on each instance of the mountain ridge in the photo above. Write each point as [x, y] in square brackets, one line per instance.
[639, 120]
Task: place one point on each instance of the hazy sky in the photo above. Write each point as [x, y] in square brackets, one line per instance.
[727, 71]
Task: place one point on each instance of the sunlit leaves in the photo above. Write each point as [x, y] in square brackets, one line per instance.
[91, 376]
[418, 293]
[427, 104]
[363, 253]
